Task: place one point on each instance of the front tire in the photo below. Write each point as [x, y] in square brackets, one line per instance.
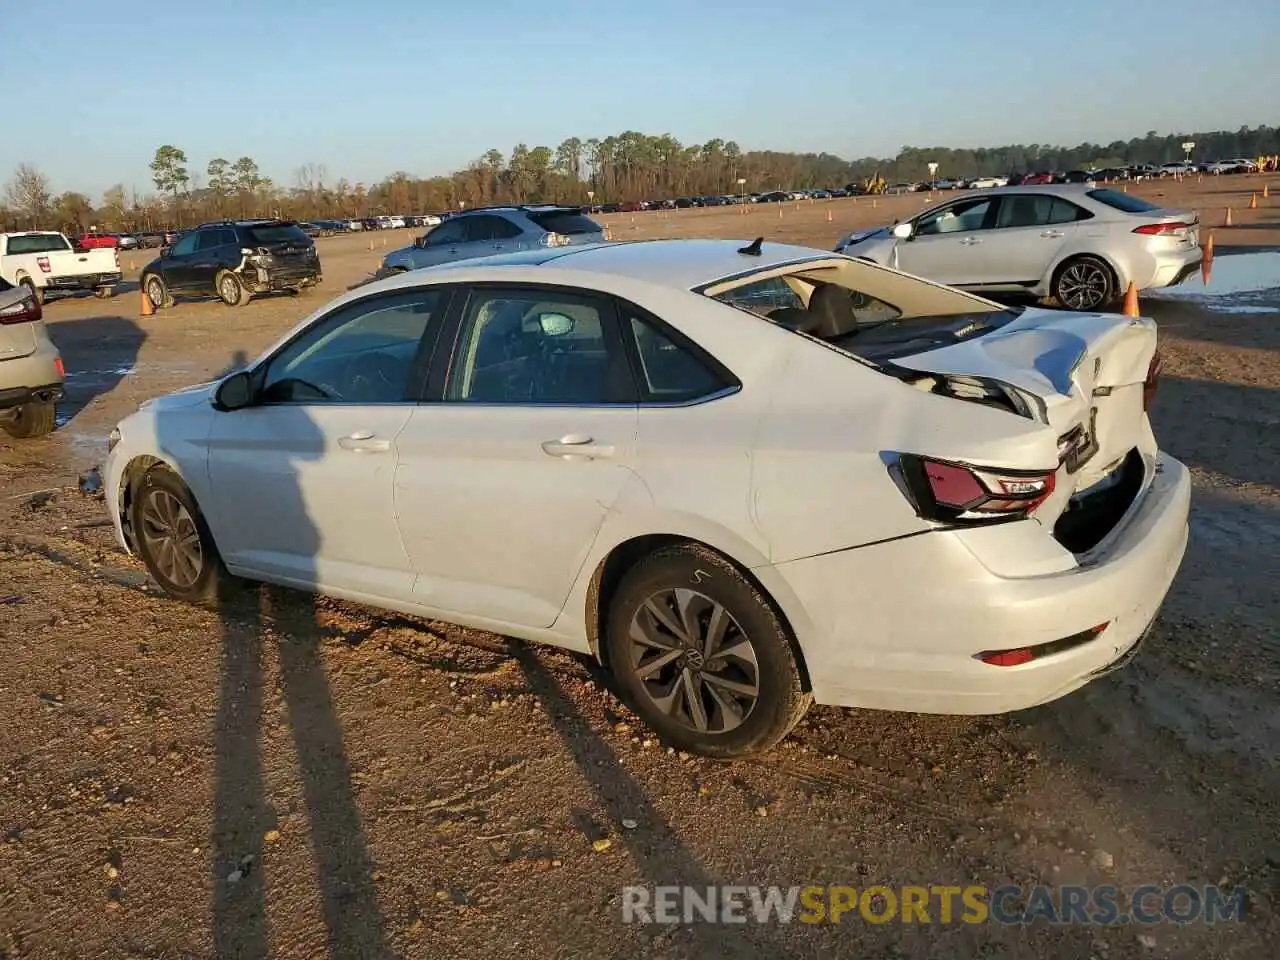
[173, 539]
[231, 290]
[30, 420]
[157, 291]
[702, 656]
[1084, 283]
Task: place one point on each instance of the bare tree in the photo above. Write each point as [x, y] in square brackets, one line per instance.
[27, 194]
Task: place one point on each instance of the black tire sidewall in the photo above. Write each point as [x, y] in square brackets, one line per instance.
[150, 280]
[31, 420]
[781, 698]
[212, 575]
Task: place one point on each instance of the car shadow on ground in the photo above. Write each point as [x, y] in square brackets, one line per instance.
[252, 621]
[97, 353]
[1226, 428]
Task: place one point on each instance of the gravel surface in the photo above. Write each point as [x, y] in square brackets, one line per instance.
[297, 777]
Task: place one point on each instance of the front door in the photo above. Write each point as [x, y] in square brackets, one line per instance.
[302, 480]
[442, 245]
[178, 263]
[502, 486]
[947, 245]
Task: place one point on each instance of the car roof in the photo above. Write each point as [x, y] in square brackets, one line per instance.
[684, 264]
[1069, 189]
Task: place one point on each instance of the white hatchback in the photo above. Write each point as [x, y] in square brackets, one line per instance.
[744, 478]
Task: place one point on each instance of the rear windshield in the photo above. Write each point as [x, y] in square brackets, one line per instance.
[37, 243]
[1122, 201]
[565, 222]
[278, 233]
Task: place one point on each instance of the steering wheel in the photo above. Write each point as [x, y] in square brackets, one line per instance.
[373, 376]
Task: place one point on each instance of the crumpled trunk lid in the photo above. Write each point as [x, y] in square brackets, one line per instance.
[1086, 373]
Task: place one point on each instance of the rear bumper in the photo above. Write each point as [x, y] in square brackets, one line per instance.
[1167, 268]
[18, 396]
[264, 281]
[896, 626]
[87, 281]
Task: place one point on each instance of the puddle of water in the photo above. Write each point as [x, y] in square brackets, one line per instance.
[1241, 283]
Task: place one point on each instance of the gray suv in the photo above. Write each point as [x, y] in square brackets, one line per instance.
[488, 231]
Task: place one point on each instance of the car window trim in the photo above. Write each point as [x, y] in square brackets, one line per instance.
[729, 382]
[441, 366]
[415, 385]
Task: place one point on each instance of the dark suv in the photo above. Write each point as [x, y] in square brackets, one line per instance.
[233, 259]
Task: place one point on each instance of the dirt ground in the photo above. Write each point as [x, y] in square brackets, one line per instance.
[293, 777]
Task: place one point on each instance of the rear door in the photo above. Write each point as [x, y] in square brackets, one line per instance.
[505, 479]
[488, 235]
[211, 246]
[1029, 231]
[947, 243]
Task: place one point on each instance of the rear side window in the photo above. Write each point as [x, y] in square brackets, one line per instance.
[1122, 201]
[763, 296]
[566, 223]
[278, 233]
[37, 243]
[670, 372]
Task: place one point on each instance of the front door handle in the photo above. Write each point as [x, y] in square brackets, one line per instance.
[970, 241]
[575, 446]
[1053, 234]
[364, 441]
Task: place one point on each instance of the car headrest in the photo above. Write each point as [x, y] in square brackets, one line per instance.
[794, 318]
[833, 306]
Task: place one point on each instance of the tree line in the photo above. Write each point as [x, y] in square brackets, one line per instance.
[623, 167]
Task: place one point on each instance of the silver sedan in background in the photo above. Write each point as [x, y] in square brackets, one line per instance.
[1079, 244]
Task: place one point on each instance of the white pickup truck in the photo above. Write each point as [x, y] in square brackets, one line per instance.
[50, 263]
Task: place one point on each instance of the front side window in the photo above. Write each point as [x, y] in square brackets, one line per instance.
[963, 217]
[37, 243]
[451, 231]
[364, 352]
[185, 245]
[534, 346]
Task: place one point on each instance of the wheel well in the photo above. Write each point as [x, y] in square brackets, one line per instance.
[610, 571]
[138, 468]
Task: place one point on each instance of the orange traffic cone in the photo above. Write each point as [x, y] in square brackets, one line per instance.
[148, 308]
[1266, 190]
[1206, 263]
[873, 203]
[1253, 201]
[1131, 301]
[1227, 222]
[779, 211]
[828, 216]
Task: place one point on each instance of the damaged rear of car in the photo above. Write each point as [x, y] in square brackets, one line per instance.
[1038, 526]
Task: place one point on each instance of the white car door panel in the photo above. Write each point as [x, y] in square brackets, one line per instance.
[947, 243]
[310, 490]
[1030, 230]
[499, 506]
[502, 486]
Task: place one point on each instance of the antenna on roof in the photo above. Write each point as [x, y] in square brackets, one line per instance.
[753, 248]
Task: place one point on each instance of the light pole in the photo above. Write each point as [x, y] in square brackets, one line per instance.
[591, 195]
[1187, 148]
[742, 193]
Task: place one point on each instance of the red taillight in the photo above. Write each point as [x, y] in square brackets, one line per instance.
[1162, 229]
[1152, 382]
[43, 264]
[1008, 658]
[26, 310]
[950, 492]
[62, 370]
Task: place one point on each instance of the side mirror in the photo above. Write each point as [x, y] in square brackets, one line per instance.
[555, 324]
[235, 392]
[903, 231]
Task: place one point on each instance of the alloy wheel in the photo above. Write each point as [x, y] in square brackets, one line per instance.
[693, 661]
[155, 292]
[229, 289]
[1083, 285]
[172, 538]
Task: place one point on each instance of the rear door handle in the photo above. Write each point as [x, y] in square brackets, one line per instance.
[575, 446]
[364, 441]
[1053, 234]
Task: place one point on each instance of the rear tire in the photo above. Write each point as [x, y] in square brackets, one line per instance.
[30, 420]
[174, 541]
[34, 290]
[702, 655]
[231, 290]
[1084, 283]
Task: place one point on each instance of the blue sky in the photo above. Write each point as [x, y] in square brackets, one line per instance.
[368, 88]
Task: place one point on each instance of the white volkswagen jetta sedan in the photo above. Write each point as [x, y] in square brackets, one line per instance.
[745, 478]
